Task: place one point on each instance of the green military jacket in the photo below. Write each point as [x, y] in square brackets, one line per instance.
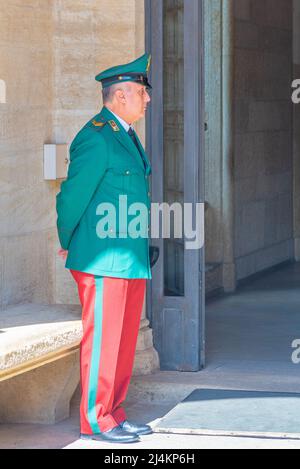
[104, 165]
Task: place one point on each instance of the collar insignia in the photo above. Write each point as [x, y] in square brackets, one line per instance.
[114, 126]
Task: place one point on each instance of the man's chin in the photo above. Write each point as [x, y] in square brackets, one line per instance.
[141, 116]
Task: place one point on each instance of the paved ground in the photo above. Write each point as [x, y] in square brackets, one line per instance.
[249, 337]
[65, 435]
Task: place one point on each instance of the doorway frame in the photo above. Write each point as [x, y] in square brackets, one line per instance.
[192, 306]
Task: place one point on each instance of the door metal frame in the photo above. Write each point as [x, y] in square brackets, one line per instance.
[192, 305]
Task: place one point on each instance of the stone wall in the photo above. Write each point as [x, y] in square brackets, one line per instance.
[50, 52]
[213, 135]
[263, 158]
[26, 228]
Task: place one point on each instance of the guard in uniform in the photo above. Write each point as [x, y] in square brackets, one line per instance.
[110, 267]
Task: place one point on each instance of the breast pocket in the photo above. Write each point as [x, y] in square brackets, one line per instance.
[133, 181]
[124, 180]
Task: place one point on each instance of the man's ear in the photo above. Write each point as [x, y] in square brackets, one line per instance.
[120, 95]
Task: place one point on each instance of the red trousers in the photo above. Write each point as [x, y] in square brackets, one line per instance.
[111, 314]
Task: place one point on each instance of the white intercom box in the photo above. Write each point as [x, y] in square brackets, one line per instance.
[56, 161]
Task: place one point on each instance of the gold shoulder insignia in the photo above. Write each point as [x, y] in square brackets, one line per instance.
[98, 124]
[114, 126]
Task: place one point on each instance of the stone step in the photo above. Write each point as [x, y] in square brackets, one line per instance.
[172, 386]
[162, 387]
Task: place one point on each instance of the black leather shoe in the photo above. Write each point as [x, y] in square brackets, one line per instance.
[135, 428]
[116, 435]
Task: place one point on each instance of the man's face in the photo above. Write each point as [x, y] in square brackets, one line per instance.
[136, 102]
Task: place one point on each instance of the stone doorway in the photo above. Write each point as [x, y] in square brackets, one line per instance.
[252, 190]
[251, 144]
[251, 147]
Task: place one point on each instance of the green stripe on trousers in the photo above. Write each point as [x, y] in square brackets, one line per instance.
[96, 355]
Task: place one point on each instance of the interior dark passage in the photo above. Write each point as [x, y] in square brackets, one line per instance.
[252, 188]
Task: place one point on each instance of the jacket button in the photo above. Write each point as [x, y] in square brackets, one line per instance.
[127, 173]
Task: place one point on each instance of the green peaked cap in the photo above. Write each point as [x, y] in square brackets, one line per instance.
[136, 71]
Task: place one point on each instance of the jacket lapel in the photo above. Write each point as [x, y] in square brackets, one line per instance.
[148, 165]
[121, 135]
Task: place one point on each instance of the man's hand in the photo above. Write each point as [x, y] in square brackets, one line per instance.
[63, 254]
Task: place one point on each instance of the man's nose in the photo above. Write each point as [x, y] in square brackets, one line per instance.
[147, 97]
